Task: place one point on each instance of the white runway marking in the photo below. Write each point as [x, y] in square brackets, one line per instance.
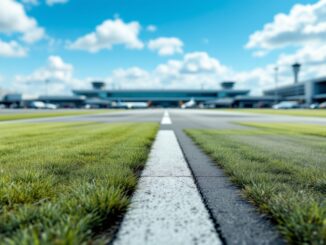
[166, 118]
[167, 207]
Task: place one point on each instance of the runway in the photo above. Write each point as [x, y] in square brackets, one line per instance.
[213, 119]
[235, 220]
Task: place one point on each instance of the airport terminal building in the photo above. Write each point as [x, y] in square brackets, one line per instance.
[160, 98]
[310, 91]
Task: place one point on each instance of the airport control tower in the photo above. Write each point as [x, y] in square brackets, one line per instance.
[296, 69]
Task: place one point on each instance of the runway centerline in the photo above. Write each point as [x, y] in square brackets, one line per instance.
[166, 120]
[167, 207]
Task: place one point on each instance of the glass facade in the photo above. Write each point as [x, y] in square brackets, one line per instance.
[309, 91]
[160, 96]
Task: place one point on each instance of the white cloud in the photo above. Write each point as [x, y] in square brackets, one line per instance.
[131, 73]
[194, 63]
[199, 69]
[193, 71]
[30, 2]
[53, 2]
[305, 24]
[108, 34]
[166, 45]
[312, 57]
[151, 28]
[256, 79]
[12, 49]
[57, 72]
[304, 28]
[13, 19]
[201, 62]
[308, 55]
[3, 91]
[48, 2]
[132, 78]
[1, 80]
[34, 35]
[170, 69]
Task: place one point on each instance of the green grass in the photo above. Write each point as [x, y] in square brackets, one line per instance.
[291, 112]
[289, 128]
[40, 114]
[281, 172]
[68, 183]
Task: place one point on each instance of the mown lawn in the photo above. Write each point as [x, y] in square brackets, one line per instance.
[68, 183]
[289, 128]
[290, 112]
[43, 114]
[281, 169]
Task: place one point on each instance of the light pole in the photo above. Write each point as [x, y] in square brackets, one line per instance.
[276, 81]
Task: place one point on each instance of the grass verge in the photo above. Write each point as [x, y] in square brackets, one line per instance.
[66, 183]
[289, 128]
[290, 112]
[284, 174]
[44, 114]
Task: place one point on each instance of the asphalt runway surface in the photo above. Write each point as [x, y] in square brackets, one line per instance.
[209, 119]
[235, 220]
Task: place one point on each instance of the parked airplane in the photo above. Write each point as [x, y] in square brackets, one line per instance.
[131, 105]
[189, 104]
[41, 105]
[286, 105]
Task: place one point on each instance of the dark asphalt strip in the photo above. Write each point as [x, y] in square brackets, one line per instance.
[236, 220]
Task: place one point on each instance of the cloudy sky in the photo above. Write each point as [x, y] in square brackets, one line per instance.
[158, 44]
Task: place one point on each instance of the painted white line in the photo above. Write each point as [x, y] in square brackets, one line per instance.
[167, 207]
[166, 158]
[166, 118]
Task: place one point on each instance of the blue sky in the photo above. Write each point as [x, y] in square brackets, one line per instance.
[219, 29]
